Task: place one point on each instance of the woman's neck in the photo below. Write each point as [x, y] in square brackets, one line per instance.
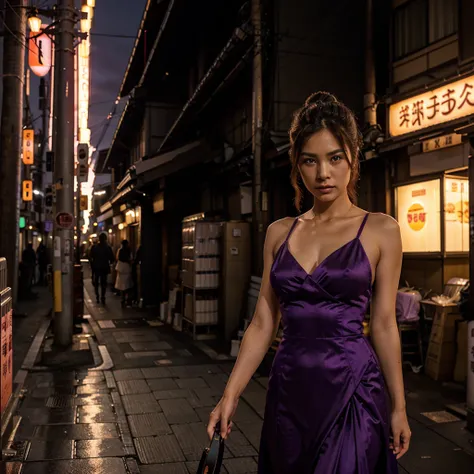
[325, 211]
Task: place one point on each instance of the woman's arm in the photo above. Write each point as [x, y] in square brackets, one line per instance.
[257, 339]
[383, 326]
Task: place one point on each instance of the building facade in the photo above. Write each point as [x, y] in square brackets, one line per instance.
[184, 144]
[423, 163]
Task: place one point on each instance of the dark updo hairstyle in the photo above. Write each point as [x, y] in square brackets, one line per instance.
[322, 110]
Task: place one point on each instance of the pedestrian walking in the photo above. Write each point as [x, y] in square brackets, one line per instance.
[43, 260]
[326, 410]
[124, 281]
[101, 257]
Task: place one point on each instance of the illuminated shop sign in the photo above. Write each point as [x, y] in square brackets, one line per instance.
[444, 104]
[419, 215]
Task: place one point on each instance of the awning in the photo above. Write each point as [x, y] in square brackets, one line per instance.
[162, 165]
[107, 215]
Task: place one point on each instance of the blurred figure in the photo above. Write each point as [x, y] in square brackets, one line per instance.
[42, 259]
[124, 282]
[28, 260]
[101, 257]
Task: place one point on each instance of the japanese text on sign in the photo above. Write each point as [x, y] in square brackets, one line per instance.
[446, 103]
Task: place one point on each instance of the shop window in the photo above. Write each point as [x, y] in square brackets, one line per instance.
[419, 23]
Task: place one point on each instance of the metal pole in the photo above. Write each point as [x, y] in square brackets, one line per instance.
[43, 103]
[370, 114]
[64, 173]
[78, 219]
[257, 119]
[10, 136]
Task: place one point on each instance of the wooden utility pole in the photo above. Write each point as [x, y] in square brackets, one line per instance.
[14, 47]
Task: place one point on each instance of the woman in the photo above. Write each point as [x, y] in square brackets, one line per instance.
[326, 410]
[124, 281]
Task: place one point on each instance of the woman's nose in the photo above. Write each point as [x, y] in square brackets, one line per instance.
[323, 172]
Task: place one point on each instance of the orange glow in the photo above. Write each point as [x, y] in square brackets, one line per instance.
[444, 104]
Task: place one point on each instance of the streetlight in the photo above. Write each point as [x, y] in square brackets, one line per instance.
[34, 23]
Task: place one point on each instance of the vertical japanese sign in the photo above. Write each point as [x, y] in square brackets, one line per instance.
[28, 147]
[449, 102]
[6, 356]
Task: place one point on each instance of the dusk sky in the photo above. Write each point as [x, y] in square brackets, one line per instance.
[109, 58]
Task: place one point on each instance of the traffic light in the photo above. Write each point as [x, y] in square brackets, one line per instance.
[27, 190]
[49, 161]
[48, 197]
[83, 162]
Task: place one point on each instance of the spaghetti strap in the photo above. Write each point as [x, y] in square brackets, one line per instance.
[361, 228]
[292, 228]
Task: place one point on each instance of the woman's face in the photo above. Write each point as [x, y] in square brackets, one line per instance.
[324, 166]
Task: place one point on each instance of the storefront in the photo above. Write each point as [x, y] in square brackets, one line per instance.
[429, 157]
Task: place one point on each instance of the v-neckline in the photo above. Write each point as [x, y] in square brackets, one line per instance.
[324, 260]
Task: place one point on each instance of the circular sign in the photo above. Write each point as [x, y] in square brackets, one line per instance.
[64, 220]
[416, 217]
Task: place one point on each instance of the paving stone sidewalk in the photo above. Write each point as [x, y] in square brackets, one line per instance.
[148, 414]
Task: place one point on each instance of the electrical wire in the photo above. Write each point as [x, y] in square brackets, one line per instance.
[15, 36]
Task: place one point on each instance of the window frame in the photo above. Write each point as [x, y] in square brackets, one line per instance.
[428, 43]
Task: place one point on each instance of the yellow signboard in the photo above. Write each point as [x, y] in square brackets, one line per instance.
[27, 191]
[443, 104]
[84, 204]
[28, 147]
[418, 214]
[445, 141]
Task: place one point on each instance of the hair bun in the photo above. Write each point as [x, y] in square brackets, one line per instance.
[320, 97]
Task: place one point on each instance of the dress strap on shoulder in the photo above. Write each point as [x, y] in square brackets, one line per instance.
[292, 228]
[364, 221]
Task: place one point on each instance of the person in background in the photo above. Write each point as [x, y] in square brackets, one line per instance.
[101, 257]
[124, 281]
[42, 258]
[28, 260]
[135, 276]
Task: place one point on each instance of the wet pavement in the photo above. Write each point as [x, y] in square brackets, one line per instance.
[148, 413]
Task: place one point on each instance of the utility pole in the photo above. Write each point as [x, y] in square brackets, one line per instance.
[64, 173]
[11, 135]
[257, 123]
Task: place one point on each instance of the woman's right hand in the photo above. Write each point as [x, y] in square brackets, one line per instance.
[223, 413]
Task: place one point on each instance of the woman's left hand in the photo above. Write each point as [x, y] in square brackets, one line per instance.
[401, 433]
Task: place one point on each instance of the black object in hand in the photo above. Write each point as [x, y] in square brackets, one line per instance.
[211, 460]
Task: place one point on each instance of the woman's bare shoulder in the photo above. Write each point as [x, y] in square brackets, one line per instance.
[278, 230]
[383, 225]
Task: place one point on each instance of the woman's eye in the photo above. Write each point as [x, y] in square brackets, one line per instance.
[308, 161]
[336, 158]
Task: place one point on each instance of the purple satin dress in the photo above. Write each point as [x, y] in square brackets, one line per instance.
[326, 410]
